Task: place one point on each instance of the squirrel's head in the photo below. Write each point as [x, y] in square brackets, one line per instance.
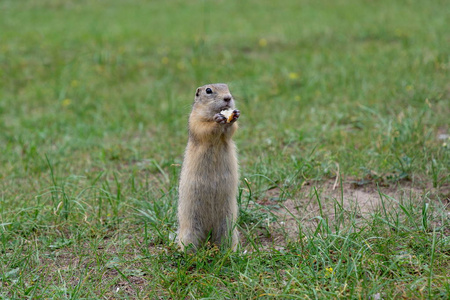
[213, 98]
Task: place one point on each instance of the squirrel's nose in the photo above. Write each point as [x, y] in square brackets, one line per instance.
[227, 98]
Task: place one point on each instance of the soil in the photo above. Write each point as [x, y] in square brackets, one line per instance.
[352, 200]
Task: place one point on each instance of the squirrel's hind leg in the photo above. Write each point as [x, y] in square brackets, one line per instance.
[226, 236]
[190, 239]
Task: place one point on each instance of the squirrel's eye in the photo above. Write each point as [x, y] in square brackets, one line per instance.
[209, 91]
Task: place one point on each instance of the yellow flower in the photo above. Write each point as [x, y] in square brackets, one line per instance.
[329, 271]
[165, 60]
[66, 102]
[293, 75]
[409, 87]
[262, 42]
[181, 66]
[74, 83]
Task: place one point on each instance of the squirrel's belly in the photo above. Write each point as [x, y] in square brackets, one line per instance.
[207, 180]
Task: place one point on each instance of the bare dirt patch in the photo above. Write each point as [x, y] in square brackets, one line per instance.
[328, 200]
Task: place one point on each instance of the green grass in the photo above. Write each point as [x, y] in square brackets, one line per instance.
[94, 99]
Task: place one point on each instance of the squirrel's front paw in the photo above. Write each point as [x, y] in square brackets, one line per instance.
[219, 118]
[236, 114]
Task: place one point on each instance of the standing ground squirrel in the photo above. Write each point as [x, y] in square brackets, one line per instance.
[207, 204]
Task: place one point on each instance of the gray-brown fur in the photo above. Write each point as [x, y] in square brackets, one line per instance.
[209, 175]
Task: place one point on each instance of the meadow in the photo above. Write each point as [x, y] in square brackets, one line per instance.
[343, 145]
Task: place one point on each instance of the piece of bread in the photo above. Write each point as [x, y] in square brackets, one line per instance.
[228, 114]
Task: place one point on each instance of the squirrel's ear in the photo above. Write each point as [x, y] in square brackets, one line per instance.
[197, 93]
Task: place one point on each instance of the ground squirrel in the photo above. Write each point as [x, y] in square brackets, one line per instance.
[207, 205]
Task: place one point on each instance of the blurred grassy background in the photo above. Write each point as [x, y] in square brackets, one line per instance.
[88, 79]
